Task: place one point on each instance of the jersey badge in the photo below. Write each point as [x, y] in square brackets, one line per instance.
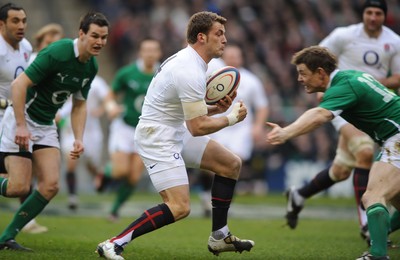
[386, 47]
[62, 77]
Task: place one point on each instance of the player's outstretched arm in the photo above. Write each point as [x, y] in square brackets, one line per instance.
[308, 121]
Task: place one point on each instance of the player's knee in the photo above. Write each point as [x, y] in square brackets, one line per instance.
[49, 190]
[233, 168]
[340, 172]
[180, 210]
[14, 191]
[365, 156]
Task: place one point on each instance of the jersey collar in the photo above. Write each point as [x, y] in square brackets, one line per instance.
[76, 51]
[333, 74]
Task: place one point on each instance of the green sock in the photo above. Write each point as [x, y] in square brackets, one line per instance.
[32, 206]
[395, 221]
[108, 170]
[3, 186]
[123, 193]
[378, 225]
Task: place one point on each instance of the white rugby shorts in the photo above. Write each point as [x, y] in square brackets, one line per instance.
[390, 151]
[41, 134]
[121, 137]
[166, 151]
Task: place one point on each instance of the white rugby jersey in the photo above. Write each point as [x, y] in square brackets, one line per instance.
[12, 63]
[356, 50]
[181, 78]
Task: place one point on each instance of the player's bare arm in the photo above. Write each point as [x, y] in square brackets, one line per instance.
[78, 120]
[18, 88]
[310, 120]
[392, 82]
[204, 124]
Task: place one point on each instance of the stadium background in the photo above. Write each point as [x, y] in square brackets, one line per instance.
[269, 33]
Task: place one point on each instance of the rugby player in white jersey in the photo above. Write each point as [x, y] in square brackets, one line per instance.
[93, 138]
[176, 96]
[373, 48]
[15, 52]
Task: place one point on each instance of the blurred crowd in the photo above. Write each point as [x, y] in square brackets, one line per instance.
[269, 32]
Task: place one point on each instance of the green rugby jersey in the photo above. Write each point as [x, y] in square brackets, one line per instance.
[133, 83]
[57, 73]
[365, 103]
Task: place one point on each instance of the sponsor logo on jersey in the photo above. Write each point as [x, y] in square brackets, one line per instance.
[62, 77]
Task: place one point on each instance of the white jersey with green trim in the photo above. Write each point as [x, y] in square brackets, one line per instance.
[357, 51]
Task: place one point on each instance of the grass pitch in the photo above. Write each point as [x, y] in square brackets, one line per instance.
[75, 236]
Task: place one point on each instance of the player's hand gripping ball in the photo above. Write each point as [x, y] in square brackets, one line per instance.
[222, 82]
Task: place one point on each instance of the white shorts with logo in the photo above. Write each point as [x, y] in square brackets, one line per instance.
[390, 151]
[41, 134]
[166, 151]
[121, 137]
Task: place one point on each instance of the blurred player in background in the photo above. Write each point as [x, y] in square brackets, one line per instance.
[93, 138]
[29, 140]
[240, 138]
[371, 47]
[15, 51]
[129, 86]
[176, 96]
[364, 102]
[47, 34]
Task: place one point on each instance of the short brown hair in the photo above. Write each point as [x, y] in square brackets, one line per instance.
[95, 18]
[201, 22]
[315, 57]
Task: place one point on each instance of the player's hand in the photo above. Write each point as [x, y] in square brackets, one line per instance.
[78, 150]
[276, 135]
[22, 137]
[242, 111]
[224, 104]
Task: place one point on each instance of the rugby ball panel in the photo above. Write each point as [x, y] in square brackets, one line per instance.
[222, 82]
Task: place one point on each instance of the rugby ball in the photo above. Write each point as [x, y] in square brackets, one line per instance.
[222, 82]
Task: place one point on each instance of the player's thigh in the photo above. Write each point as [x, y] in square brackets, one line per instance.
[19, 170]
[220, 160]
[120, 162]
[136, 168]
[383, 183]
[46, 165]
[348, 131]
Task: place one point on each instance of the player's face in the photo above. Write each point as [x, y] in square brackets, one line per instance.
[216, 40]
[312, 81]
[13, 30]
[373, 19]
[94, 40]
[150, 52]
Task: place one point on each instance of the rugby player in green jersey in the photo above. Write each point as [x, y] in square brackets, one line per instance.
[29, 138]
[368, 105]
[129, 86]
